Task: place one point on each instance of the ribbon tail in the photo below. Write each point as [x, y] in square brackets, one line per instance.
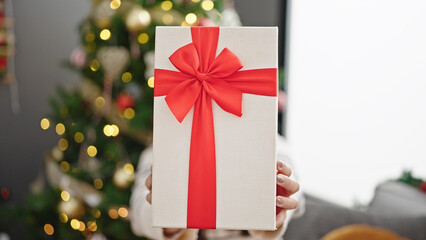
[255, 81]
[201, 212]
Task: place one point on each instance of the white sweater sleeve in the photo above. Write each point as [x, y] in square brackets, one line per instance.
[140, 209]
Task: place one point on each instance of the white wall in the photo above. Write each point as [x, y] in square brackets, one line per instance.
[357, 94]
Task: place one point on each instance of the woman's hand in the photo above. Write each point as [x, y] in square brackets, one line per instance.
[285, 188]
[168, 232]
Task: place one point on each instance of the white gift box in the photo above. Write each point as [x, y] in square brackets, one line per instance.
[245, 146]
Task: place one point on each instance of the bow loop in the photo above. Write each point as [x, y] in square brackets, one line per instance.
[225, 95]
[182, 97]
[186, 59]
[225, 64]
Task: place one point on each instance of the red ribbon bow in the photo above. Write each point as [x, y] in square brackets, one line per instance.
[201, 78]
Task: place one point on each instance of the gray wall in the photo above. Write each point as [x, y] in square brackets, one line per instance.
[259, 13]
[46, 32]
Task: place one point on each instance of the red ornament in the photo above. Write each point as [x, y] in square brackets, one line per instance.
[206, 22]
[423, 187]
[5, 193]
[3, 63]
[124, 101]
[78, 57]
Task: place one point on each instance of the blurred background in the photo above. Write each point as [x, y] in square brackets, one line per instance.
[76, 108]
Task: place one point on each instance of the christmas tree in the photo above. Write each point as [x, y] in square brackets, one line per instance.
[105, 123]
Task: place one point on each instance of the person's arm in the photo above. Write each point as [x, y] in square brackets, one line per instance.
[141, 210]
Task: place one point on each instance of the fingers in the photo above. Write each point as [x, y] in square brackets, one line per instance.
[149, 197]
[286, 203]
[170, 232]
[282, 214]
[288, 184]
[283, 168]
[148, 182]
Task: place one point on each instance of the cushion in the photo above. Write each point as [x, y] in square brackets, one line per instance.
[394, 198]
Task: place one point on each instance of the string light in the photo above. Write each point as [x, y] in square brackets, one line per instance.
[115, 130]
[60, 128]
[166, 5]
[151, 82]
[207, 5]
[65, 166]
[94, 65]
[91, 225]
[98, 183]
[82, 226]
[127, 77]
[63, 217]
[48, 229]
[96, 213]
[65, 196]
[191, 18]
[108, 130]
[105, 34]
[45, 123]
[90, 47]
[123, 212]
[195, 1]
[185, 24]
[99, 102]
[63, 144]
[90, 37]
[75, 224]
[113, 213]
[143, 38]
[129, 113]
[111, 130]
[167, 18]
[128, 168]
[115, 4]
[78, 137]
[92, 151]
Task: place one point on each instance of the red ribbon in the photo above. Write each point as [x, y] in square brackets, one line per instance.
[201, 78]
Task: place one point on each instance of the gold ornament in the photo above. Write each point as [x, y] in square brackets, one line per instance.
[113, 60]
[73, 208]
[137, 19]
[102, 14]
[171, 17]
[122, 178]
